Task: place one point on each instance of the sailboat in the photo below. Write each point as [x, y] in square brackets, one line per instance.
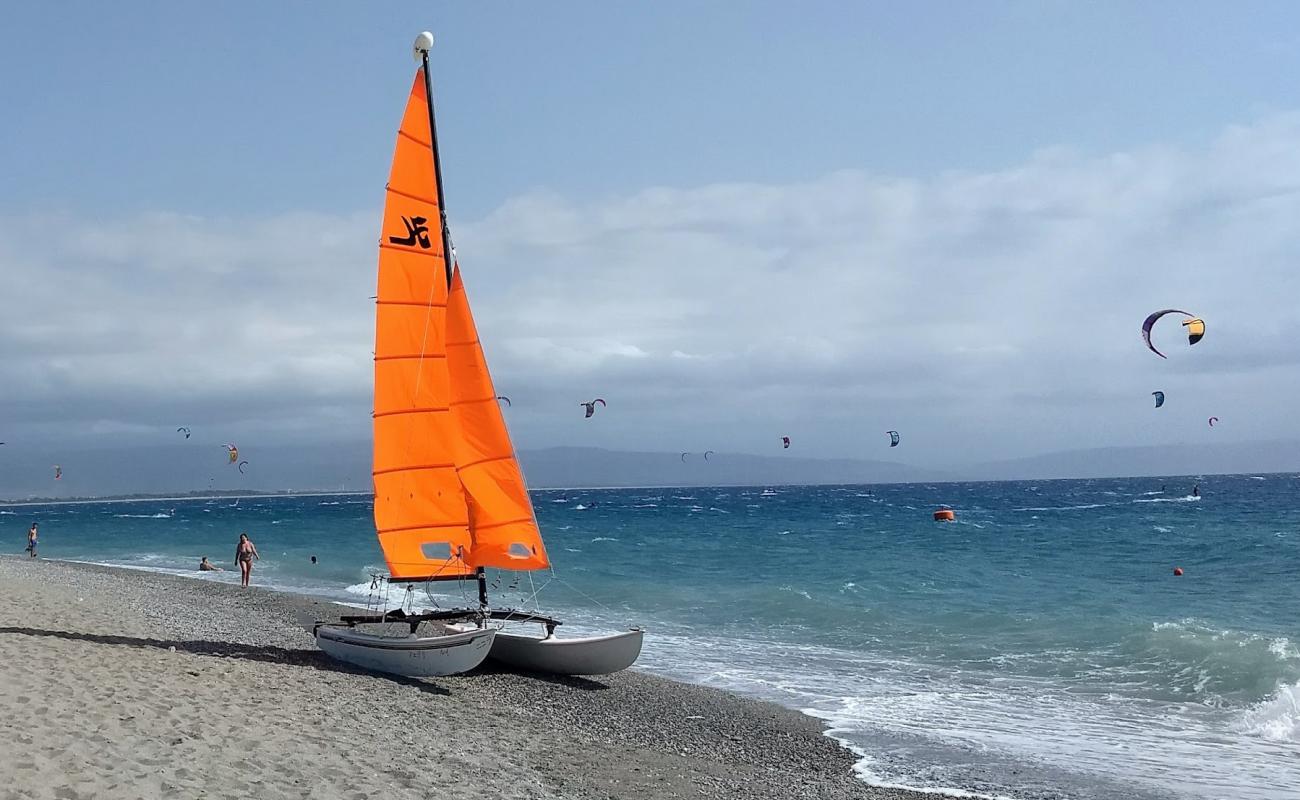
[450, 498]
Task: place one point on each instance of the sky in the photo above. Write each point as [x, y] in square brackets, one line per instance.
[734, 221]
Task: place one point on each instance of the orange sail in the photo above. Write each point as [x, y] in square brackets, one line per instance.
[421, 514]
[501, 521]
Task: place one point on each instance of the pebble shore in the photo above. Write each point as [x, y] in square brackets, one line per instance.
[136, 685]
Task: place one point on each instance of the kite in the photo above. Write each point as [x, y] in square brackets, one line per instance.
[1213, 420]
[185, 431]
[591, 407]
[706, 454]
[241, 467]
[1160, 398]
[58, 472]
[684, 455]
[785, 442]
[893, 438]
[233, 452]
[503, 397]
[1195, 328]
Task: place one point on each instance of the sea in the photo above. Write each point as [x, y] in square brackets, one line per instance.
[1040, 646]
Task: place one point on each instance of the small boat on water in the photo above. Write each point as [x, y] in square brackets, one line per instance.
[450, 498]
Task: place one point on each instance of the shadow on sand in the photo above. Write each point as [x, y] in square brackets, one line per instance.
[491, 667]
[311, 659]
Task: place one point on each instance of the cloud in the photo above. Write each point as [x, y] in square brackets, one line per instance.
[166, 319]
[987, 315]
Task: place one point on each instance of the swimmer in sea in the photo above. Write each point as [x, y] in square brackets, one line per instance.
[245, 552]
[207, 566]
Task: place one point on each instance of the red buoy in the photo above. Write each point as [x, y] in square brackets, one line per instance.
[1178, 570]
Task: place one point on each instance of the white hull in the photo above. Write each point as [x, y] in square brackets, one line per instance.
[592, 655]
[411, 656]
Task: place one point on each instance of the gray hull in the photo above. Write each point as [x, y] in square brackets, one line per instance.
[592, 655]
[410, 656]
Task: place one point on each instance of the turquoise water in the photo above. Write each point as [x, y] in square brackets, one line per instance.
[1040, 642]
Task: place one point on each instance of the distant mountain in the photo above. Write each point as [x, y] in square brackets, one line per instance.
[589, 466]
[1120, 462]
[179, 468]
[345, 466]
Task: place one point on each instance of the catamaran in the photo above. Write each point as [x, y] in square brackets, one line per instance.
[450, 498]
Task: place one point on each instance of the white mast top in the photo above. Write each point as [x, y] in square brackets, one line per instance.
[423, 44]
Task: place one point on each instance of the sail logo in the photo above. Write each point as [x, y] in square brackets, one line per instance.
[417, 230]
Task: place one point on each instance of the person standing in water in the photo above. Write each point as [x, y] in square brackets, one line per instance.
[31, 540]
[245, 552]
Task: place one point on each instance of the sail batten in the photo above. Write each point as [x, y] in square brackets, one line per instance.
[421, 526]
[476, 400]
[412, 251]
[414, 467]
[412, 195]
[408, 135]
[412, 411]
[485, 526]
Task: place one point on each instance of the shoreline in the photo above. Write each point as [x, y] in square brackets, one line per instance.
[81, 637]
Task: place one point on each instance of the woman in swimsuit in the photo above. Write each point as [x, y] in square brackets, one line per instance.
[245, 552]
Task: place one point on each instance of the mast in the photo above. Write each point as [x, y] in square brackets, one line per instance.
[423, 44]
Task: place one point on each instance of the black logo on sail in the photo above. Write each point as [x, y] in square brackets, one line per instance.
[416, 231]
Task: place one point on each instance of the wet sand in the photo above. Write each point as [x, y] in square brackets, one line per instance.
[126, 684]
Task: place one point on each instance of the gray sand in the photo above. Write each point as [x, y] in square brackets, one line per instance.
[132, 684]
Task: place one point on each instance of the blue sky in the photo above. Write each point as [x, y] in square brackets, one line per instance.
[232, 108]
[733, 220]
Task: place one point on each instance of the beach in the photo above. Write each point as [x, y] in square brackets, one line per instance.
[129, 684]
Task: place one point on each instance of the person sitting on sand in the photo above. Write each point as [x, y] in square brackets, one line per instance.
[207, 566]
[31, 540]
[245, 552]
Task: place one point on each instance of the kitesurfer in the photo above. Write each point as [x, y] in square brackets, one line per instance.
[1195, 328]
[245, 552]
[31, 540]
[1196, 490]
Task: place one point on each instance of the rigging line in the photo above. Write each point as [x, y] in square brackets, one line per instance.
[584, 594]
[428, 592]
[539, 590]
[460, 584]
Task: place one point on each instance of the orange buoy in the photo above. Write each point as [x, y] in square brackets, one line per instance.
[1178, 570]
[945, 515]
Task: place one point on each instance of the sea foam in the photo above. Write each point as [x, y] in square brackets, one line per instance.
[1277, 718]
